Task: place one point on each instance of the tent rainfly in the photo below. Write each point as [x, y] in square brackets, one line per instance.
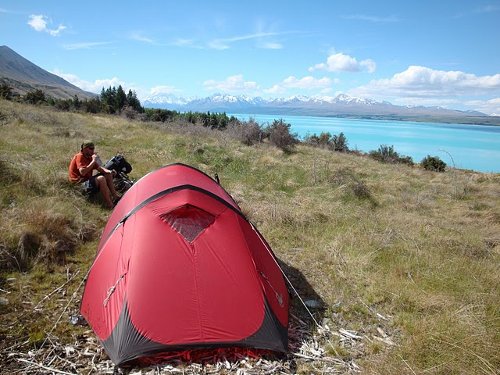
[180, 270]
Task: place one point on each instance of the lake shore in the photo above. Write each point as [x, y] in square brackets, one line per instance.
[469, 147]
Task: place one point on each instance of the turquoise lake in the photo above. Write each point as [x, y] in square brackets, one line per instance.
[475, 147]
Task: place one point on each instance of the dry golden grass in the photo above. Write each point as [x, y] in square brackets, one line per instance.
[385, 248]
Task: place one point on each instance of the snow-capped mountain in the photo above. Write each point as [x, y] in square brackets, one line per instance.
[340, 105]
[217, 100]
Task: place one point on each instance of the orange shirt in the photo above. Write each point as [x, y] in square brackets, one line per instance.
[80, 161]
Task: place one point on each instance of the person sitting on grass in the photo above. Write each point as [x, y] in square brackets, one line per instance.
[81, 170]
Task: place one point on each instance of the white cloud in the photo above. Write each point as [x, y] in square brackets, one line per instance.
[183, 42]
[420, 81]
[261, 38]
[340, 62]
[234, 83]
[304, 83]
[490, 107]
[271, 45]
[166, 90]
[39, 23]
[95, 86]
[141, 38]
[84, 45]
[218, 44]
[419, 85]
[190, 43]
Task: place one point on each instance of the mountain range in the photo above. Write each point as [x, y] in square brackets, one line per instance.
[24, 76]
[340, 105]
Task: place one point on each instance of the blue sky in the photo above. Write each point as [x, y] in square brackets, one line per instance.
[440, 52]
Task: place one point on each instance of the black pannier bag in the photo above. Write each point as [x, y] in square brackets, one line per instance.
[122, 167]
[118, 164]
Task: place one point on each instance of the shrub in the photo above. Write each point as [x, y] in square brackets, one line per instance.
[160, 115]
[5, 91]
[91, 105]
[129, 112]
[323, 140]
[247, 132]
[339, 143]
[63, 105]
[326, 140]
[280, 136]
[387, 154]
[35, 97]
[433, 163]
[317, 141]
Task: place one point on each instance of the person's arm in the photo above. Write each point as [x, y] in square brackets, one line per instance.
[104, 170]
[90, 167]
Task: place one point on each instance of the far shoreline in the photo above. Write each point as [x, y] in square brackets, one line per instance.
[472, 120]
[479, 120]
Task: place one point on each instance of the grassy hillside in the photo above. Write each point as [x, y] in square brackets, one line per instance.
[404, 262]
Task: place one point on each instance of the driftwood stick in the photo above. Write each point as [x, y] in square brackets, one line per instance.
[407, 365]
[56, 290]
[331, 360]
[65, 308]
[44, 367]
[349, 334]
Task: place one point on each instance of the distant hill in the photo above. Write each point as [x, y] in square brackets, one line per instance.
[24, 76]
[340, 106]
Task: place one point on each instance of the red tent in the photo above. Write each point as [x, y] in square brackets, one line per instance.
[179, 268]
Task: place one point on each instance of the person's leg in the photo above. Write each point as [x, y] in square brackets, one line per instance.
[111, 185]
[103, 188]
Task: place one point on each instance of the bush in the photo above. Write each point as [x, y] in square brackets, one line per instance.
[280, 136]
[323, 140]
[35, 97]
[433, 163]
[326, 140]
[5, 91]
[339, 143]
[91, 105]
[160, 115]
[387, 154]
[248, 132]
[129, 112]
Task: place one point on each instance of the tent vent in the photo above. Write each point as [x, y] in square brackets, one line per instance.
[189, 221]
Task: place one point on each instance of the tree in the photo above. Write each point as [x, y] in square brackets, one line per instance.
[108, 100]
[133, 102]
[280, 136]
[35, 97]
[76, 102]
[205, 119]
[120, 99]
[63, 104]
[5, 91]
[190, 117]
[93, 105]
[339, 143]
